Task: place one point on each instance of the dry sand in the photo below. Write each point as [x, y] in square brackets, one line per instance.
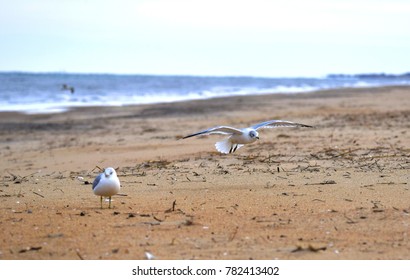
[337, 191]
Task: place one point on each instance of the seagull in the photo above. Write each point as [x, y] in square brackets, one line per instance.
[106, 184]
[66, 87]
[239, 137]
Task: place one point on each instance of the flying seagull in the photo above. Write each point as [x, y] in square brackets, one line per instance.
[106, 184]
[239, 137]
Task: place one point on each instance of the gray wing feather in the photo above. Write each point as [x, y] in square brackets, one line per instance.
[97, 180]
[226, 130]
[278, 123]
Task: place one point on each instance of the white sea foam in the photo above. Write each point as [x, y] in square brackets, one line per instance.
[43, 93]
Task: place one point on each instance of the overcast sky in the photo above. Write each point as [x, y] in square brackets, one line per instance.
[276, 38]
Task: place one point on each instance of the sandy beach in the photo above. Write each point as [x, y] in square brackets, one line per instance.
[339, 190]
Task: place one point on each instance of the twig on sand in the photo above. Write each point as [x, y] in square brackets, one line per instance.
[172, 209]
[17, 179]
[309, 248]
[31, 248]
[39, 194]
[77, 251]
[97, 167]
[233, 234]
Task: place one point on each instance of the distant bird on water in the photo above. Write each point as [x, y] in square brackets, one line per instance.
[106, 184]
[65, 87]
[239, 137]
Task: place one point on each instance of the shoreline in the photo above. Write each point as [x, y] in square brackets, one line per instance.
[61, 110]
[337, 191]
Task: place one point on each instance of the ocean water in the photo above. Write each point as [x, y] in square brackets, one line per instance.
[33, 93]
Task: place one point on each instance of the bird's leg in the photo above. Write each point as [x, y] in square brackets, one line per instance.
[101, 201]
[109, 203]
[233, 148]
[236, 147]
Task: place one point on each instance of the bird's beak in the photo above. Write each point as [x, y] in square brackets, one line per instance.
[257, 137]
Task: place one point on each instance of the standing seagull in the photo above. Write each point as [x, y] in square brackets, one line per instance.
[106, 184]
[239, 137]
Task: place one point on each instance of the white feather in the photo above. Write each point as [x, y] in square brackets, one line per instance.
[224, 146]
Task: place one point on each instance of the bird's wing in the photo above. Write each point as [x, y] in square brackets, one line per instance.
[97, 180]
[278, 123]
[227, 130]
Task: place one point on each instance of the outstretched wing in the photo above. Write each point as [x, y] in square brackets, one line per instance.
[227, 130]
[278, 123]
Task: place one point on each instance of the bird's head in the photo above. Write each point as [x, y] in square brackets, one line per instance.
[108, 172]
[254, 134]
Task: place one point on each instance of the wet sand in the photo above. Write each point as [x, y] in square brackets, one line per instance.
[339, 190]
